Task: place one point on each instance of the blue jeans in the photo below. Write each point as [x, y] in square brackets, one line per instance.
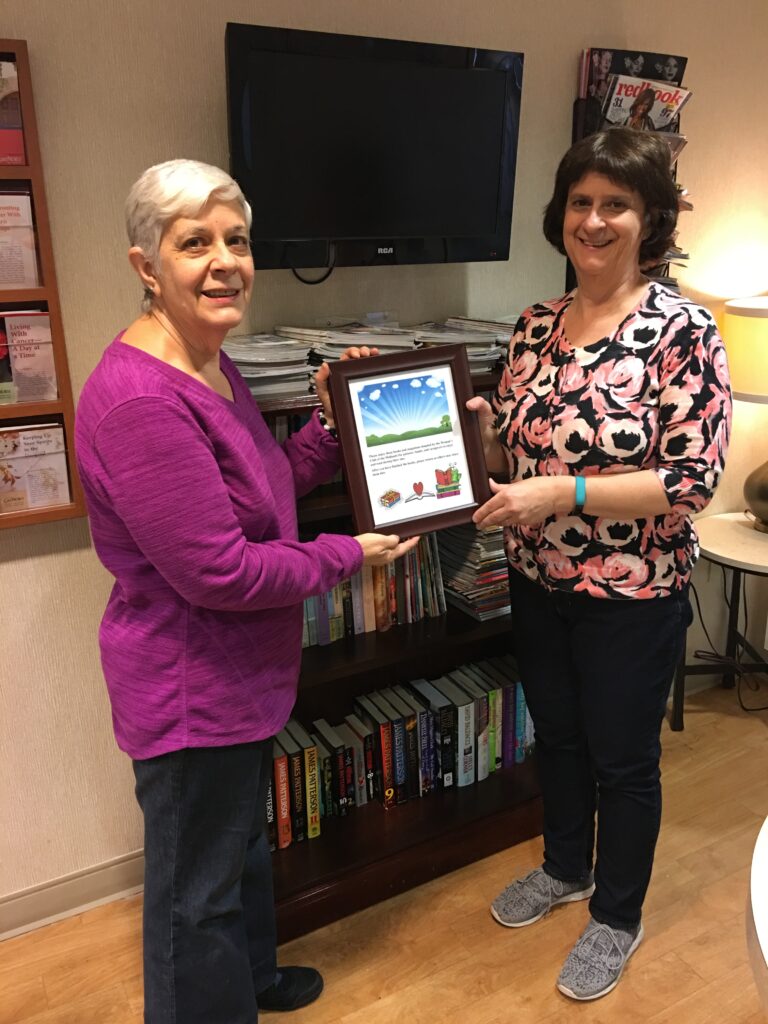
[209, 919]
[596, 674]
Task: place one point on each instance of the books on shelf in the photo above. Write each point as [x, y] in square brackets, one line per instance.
[399, 753]
[11, 129]
[296, 785]
[378, 597]
[27, 369]
[18, 257]
[271, 823]
[365, 735]
[381, 727]
[494, 691]
[33, 467]
[482, 720]
[281, 795]
[311, 776]
[405, 711]
[338, 751]
[399, 744]
[425, 738]
[444, 730]
[354, 744]
[464, 717]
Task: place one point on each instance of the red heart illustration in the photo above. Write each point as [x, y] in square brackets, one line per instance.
[418, 488]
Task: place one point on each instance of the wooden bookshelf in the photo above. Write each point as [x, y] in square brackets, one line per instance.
[372, 854]
[43, 298]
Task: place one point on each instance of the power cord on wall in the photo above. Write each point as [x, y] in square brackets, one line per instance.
[742, 674]
[323, 277]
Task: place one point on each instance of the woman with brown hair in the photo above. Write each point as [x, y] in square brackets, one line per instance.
[612, 419]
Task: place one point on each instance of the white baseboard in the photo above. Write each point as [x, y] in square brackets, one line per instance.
[71, 894]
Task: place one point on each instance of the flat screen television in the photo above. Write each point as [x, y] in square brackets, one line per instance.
[356, 151]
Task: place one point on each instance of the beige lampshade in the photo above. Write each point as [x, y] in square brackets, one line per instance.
[745, 332]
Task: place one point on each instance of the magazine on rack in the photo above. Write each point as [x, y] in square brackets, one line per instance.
[643, 103]
[599, 63]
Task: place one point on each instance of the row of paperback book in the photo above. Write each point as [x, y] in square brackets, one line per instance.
[378, 597]
[398, 744]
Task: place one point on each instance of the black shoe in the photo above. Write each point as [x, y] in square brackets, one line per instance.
[295, 987]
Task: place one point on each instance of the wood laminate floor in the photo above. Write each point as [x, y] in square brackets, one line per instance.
[436, 955]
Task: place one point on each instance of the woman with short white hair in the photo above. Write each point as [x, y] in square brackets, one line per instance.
[193, 510]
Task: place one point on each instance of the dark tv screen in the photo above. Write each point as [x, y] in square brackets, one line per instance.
[359, 151]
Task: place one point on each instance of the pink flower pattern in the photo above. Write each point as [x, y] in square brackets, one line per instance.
[653, 395]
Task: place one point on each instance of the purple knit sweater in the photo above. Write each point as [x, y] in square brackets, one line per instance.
[193, 510]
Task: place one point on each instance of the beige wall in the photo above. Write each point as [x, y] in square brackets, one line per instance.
[119, 86]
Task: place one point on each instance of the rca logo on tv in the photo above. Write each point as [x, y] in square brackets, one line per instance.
[384, 249]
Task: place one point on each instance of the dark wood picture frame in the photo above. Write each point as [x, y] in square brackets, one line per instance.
[343, 373]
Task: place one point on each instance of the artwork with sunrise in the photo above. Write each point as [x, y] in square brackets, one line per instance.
[402, 410]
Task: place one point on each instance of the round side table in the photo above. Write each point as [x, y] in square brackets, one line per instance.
[727, 539]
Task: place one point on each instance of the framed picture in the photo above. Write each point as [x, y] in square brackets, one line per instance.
[413, 456]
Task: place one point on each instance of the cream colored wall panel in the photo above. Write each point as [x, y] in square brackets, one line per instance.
[65, 794]
[119, 86]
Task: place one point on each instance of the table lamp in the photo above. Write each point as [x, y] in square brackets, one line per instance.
[745, 332]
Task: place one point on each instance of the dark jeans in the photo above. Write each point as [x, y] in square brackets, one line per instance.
[209, 919]
[596, 674]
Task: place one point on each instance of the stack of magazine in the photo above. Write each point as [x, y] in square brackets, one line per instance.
[474, 568]
[271, 365]
[327, 344]
[484, 348]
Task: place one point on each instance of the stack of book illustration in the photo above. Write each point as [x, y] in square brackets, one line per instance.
[271, 365]
[641, 90]
[397, 744]
[378, 597]
[474, 568]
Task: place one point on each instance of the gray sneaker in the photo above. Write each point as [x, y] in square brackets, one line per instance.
[594, 965]
[530, 898]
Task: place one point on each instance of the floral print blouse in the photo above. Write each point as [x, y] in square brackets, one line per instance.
[653, 395]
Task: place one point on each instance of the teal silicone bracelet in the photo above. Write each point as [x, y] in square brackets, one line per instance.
[581, 494]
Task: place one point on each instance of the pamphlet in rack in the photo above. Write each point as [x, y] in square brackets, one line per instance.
[27, 369]
[18, 259]
[33, 467]
[11, 131]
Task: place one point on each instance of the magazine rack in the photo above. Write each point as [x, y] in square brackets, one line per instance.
[43, 298]
[588, 115]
